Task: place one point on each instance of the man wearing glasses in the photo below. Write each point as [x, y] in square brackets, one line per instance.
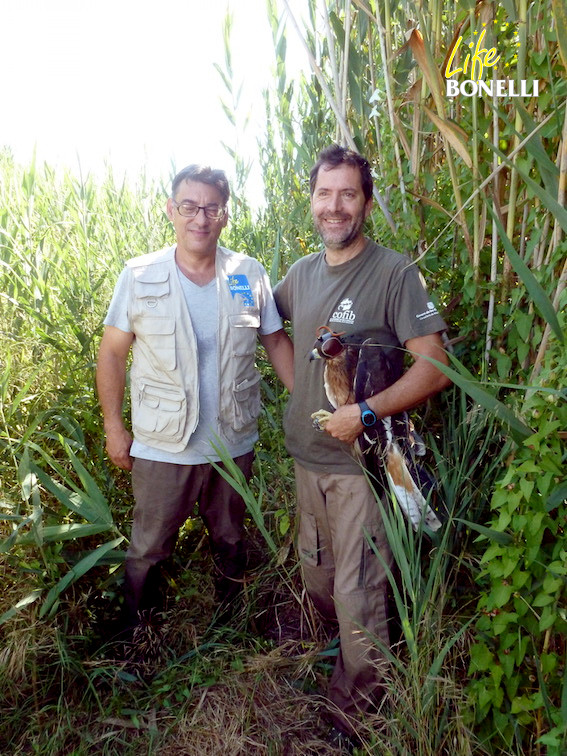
[190, 314]
[353, 288]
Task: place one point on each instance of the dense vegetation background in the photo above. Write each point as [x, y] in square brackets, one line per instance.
[472, 188]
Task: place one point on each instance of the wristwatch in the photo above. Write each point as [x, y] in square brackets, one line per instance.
[366, 415]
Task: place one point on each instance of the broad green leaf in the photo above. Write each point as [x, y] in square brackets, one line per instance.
[66, 532]
[543, 599]
[82, 567]
[556, 497]
[501, 594]
[548, 618]
[76, 502]
[482, 657]
[493, 535]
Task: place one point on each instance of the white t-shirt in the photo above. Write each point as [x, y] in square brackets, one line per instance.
[202, 302]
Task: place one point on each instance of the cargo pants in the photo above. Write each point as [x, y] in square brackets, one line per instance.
[346, 580]
[165, 496]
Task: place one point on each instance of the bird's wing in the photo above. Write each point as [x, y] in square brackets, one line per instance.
[374, 371]
[381, 443]
[373, 374]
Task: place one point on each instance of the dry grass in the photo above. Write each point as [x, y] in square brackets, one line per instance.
[215, 690]
[260, 711]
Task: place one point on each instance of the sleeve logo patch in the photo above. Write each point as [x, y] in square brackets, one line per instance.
[238, 284]
[431, 310]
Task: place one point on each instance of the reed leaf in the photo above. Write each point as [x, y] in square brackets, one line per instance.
[547, 199]
[493, 535]
[462, 378]
[535, 290]
[559, 10]
[234, 475]
[547, 168]
[67, 532]
[81, 568]
[93, 509]
[26, 601]
[453, 135]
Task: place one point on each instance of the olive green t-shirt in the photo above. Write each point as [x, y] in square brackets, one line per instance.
[380, 293]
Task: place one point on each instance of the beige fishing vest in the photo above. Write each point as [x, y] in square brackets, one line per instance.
[164, 375]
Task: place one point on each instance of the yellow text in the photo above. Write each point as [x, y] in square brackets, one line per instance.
[481, 58]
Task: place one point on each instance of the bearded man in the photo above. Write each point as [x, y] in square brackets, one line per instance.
[354, 286]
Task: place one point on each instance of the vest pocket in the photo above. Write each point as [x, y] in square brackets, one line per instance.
[161, 410]
[159, 337]
[243, 332]
[246, 401]
[245, 319]
[246, 379]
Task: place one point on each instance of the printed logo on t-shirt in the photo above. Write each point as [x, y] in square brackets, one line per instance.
[238, 284]
[343, 313]
[431, 310]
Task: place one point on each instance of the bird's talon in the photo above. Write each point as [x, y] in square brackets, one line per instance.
[320, 419]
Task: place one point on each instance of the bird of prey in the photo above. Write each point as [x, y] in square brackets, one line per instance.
[354, 370]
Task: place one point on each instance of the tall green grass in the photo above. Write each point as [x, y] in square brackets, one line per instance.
[63, 241]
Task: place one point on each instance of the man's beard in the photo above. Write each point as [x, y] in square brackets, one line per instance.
[333, 240]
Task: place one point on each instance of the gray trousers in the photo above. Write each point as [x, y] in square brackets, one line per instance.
[345, 579]
[165, 496]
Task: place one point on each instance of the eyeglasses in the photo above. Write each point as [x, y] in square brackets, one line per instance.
[329, 343]
[191, 210]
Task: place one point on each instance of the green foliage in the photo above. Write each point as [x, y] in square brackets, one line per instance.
[63, 242]
[518, 660]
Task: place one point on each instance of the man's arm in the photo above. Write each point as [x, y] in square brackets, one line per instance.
[111, 382]
[421, 381]
[279, 348]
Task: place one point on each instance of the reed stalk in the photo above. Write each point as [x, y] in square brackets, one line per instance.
[518, 126]
[494, 236]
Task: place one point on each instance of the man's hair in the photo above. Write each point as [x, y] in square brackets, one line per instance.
[205, 175]
[336, 155]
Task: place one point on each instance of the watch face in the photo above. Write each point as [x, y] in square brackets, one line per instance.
[368, 417]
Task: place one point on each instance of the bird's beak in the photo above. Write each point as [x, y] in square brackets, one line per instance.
[314, 355]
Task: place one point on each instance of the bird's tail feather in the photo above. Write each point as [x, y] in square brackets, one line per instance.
[408, 495]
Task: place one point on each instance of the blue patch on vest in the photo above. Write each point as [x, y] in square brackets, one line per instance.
[239, 285]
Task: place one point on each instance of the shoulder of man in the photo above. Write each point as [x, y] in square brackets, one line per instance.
[388, 255]
[151, 258]
[236, 256]
[233, 259]
[396, 264]
[310, 260]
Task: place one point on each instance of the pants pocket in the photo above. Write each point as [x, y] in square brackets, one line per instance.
[371, 571]
[308, 540]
